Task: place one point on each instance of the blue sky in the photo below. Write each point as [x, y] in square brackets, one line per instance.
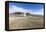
[31, 8]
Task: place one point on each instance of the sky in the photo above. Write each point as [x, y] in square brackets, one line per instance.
[30, 8]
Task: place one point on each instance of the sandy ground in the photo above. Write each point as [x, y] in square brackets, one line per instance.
[25, 22]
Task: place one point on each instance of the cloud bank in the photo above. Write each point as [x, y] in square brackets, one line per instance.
[13, 9]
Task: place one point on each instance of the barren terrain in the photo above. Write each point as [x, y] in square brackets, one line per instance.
[24, 22]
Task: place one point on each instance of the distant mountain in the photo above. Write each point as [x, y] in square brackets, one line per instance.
[22, 14]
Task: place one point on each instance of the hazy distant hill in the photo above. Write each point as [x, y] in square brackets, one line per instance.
[22, 14]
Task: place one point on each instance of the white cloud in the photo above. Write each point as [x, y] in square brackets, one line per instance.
[14, 9]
